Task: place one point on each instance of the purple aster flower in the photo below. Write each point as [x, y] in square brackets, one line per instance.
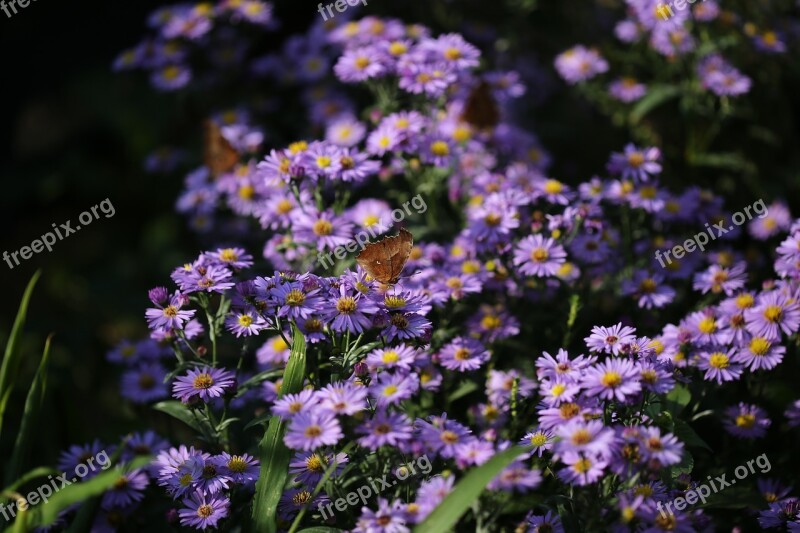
[771, 221]
[345, 131]
[404, 326]
[391, 389]
[430, 79]
[308, 431]
[516, 477]
[582, 469]
[385, 138]
[242, 469]
[401, 356]
[661, 450]
[77, 455]
[746, 421]
[144, 384]
[556, 392]
[760, 353]
[432, 492]
[453, 50]
[293, 500]
[296, 300]
[610, 340]
[348, 310]
[793, 414]
[473, 452]
[171, 316]
[290, 405]
[779, 513]
[359, 64]
[590, 437]
[613, 379]
[501, 383]
[342, 398]
[204, 383]
[245, 323]
[580, 64]
[126, 490]
[648, 289]
[639, 164]
[437, 150]
[202, 511]
[325, 229]
[356, 166]
[387, 519]
[720, 366]
[463, 354]
[775, 311]
[171, 77]
[311, 466]
[727, 83]
[772, 490]
[537, 256]
[441, 435]
[627, 89]
[547, 523]
[385, 428]
[542, 440]
[560, 367]
[717, 279]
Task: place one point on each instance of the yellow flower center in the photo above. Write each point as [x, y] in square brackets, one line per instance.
[297, 147]
[490, 322]
[314, 463]
[449, 437]
[323, 161]
[246, 192]
[539, 255]
[397, 48]
[389, 390]
[205, 510]
[611, 379]
[745, 301]
[452, 54]
[582, 466]
[538, 439]
[553, 187]
[323, 228]
[558, 389]
[773, 313]
[284, 207]
[346, 305]
[759, 346]
[245, 321]
[390, 357]
[237, 464]
[707, 325]
[313, 431]
[746, 421]
[295, 297]
[636, 159]
[203, 381]
[582, 436]
[648, 286]
[440, 148]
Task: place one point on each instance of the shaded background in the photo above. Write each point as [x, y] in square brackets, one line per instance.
[74, 133]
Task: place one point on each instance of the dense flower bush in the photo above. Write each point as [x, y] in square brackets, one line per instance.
[536, 335]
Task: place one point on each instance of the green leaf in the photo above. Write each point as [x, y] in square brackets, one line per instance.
[177, 410]
[464, 389]
[44, 515]
[656, 96]
[260, 420]
[257, 380]
[40, 471]
[12, 358]
[688, 436]
[30, 416]
[728, 160]
[273, 453]
[684, 467]
[448, 513]
[677, 399]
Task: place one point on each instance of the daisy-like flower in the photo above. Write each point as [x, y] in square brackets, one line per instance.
[610, 340]
[537, 256]
[245, 323]
[401, 356]
[236, 258]
[204, 383]
[760, 352]
[746, 421]
[325, 229]
[516, 477]
[793, 414]
[311, 466]
[388, 518]
[171, 77]
[295, 301]
[170, 316]
[634, 163]
[385, 428]
[432, 492]
[343, 398]
[453, 50]
[580, 64]
[441, 435]
[145, 383]
[359, 64]
[720, 366]
[393, 388]
[311, 430]
[561, 367]
[290, 405]
[547, 523]
[348, 310]
[582, 469]
[345, 131]
[613, 379]
[126, 490]
[649, 290]
[627, 89]
[463, 354]
[665, 450]
[590, 437]
[542, 440]
[203, 511]
[775, 312]
[242, 469]
[717, 279]
[473, 452]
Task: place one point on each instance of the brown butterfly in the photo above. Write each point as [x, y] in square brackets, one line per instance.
[481, 110]
[218, 154]
[385, 259]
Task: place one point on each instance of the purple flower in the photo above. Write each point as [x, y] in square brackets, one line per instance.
[203, 511]
[614, 379]
[290, 405]
[385, 428]
[627, 90]
[441, 435]
[308, 431]
[171, 316]
[665, 450]
[720, 366]
[582, 469]
[746, 421]
[311, 466]
[387, 519]
[759, 353]
[391, 389]
[610, 340]
[241, 469]
[145, 383]
[649, 290]
[717, 279]
[582, 437]
[463, 354]
[348, 310]
[126, 490]
[537, 256]
[342, 398]
[639, 164]
[775, 312]
[205, 383]
[580, 64]
[359, 64]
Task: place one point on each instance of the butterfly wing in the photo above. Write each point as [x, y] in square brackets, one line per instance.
[481, 109]
[219, 156]
[384, 260]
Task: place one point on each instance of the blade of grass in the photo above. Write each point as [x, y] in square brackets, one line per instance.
[452, 508]
[30, 416]
[12, 358]
[273, 453]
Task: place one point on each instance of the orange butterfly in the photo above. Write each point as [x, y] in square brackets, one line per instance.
[481, 110]
[385, 259]
[218, 154]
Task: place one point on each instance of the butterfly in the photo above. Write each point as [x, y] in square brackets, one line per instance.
[481, 110]
[385, 259]
[218, 154]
